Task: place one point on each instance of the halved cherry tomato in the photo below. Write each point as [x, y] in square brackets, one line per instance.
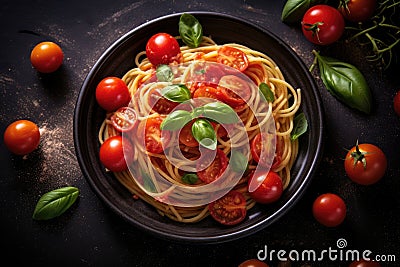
[112, 93]
[124, 119]
[112, 154]
[154, 138]
[22, 137]
[206, 91]
[162, 48]
[160, 104]
[257, 146]
[329, 209]
[215, 169]
[47, 57]
[365, 164]
[233, 57]
[229, 209]
[270, 190]
[186, 137]
[234, 91]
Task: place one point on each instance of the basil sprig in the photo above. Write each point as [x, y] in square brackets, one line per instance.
[164, 73]
[54, 203]
[190, 178]
[294, 10]
[345, 82]
[266, 92]
[204, 133]
[300, 126]
[190, 30]
[238, 161]
[202, 129]
[176, 93]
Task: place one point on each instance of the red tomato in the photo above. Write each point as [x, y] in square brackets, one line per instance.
[112, 154]
[233, 57]
[154, 138]
[322, 24]
[357, 10]
[206, 91]
[270, 190]
[22, 137]
[229, 209]
[364, 263]
[215, 169]
[253, 263]
[329, 209]
[186, 137]
[234, 91]
[162, 48]
[160, 104]
[365, 164]
[47, 57]
[112, 93]
[396, 103]
[124, 119]
[256, 147]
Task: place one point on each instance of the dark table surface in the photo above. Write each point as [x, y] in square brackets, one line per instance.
[89, 234]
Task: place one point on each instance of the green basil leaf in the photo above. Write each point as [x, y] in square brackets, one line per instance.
[148, 182]
[238, 162]
[176, 93]
[190, 30]
[294, 10]
[266, 92]
[54, 203]
[300, 126]
[190, 178]
[164, 73]
[204, 133]
[345, 82]
[219, 112]
[176, 120]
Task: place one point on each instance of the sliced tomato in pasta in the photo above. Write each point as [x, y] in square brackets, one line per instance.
[154, 139]
[209, 172]
[233, 57]
[229, 209]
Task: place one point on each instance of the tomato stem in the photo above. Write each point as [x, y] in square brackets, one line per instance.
[359, 156]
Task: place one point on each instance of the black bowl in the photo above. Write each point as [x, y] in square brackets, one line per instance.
[119, 58]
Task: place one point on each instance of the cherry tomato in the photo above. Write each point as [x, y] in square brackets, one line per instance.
[365, 164]
[162, 48]
[112, 94]
[396, 103]
[124, 119]
[22, 137]
[215, 169]
[329, 209]
[112, 154]
[47, 57]
[253, 263]
[233, 57]
[229, 209]
[160, 104]
[364, 263]
[322, 24]
[270, 190]
[206, 91]
[186, 137]
[357, 10]
[154, 138]
[234, 91]
[257, 146]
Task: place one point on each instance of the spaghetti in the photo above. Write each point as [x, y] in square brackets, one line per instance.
[261, 69]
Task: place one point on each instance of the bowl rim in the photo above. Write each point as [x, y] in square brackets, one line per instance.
[273, 217]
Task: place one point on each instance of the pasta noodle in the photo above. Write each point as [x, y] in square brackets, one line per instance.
[261, 69]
